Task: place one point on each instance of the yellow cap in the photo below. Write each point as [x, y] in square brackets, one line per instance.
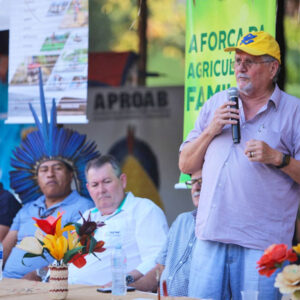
[257, 43]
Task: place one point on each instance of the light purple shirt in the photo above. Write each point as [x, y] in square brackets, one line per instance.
[249, 203]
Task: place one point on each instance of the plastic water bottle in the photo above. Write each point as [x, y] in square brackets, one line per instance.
[1, 259]
[118, 265]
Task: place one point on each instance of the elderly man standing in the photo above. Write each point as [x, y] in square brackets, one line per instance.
[46, 162]
[251, 190]
[141, 225]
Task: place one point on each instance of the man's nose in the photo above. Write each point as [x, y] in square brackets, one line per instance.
[198, 184]
[101, 188]
[50, 172]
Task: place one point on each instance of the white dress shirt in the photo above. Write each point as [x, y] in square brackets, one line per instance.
[143, 230]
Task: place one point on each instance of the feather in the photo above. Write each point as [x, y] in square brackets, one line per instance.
[49, 142]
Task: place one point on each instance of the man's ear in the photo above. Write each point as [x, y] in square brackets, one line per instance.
[72, 177]
[123, 179]
[274, 68]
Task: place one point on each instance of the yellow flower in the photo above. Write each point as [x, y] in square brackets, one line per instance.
[57, 245]
[31, 245]
[288, 281]
[297, 249]
[73, 240]
[59, 231]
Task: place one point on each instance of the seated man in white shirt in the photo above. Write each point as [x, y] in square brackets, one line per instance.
[142, 225]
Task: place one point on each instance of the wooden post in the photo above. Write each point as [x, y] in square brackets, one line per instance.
[142, 34]
[281, 41]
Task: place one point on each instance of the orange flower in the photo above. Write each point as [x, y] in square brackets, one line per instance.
[273, 258]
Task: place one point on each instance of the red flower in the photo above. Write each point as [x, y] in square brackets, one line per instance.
[99, 247]
[78, 260]
[273, 258]
[48, 225]
[91, 245]
[88, 227]
[86, 232]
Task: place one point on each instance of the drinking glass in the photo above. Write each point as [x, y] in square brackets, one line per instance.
[249, 295]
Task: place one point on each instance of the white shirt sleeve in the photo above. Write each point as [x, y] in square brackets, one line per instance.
[151, 233]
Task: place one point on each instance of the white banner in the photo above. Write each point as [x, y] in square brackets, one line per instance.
[52, 35]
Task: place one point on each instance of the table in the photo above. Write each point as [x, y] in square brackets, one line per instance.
[22, 289]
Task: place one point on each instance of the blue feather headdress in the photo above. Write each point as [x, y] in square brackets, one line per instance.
[49, 142]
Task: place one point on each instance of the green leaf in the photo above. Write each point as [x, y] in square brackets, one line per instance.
[29, 255]
[69, 223]
[69, 254]
[92, 244]
[77, 227]
[96, 256]
[42, 243]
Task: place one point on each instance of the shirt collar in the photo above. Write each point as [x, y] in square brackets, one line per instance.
[275, 97]
[194, 213]
[118, 210]
[40, 202]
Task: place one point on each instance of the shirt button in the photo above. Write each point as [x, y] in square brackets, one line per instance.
[190, 244]
[180, 262]
[170, 277]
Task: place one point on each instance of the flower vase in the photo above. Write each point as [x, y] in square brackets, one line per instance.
[58, 284]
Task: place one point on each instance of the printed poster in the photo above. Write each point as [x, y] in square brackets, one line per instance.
[51, 35]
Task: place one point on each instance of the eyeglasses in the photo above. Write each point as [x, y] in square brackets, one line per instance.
[191, 182]
[248, 63]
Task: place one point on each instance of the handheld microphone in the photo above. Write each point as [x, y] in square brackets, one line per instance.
[235, 128]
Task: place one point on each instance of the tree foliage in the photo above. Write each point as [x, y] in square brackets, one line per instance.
[113, 26]
[292, 37]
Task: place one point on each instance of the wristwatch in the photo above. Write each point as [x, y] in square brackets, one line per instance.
[129, 279]
[285, 161]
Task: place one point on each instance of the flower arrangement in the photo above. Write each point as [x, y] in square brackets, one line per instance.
[79, 242]
[274, 257]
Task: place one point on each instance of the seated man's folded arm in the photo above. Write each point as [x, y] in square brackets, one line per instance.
[3, 231]
[8, 243]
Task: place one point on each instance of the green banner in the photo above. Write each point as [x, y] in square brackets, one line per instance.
[212, 26]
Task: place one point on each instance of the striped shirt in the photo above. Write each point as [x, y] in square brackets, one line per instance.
[176, 254]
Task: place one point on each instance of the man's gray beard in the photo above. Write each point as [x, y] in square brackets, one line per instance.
[246, 89]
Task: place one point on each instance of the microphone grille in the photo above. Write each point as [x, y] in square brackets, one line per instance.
[233, 92]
